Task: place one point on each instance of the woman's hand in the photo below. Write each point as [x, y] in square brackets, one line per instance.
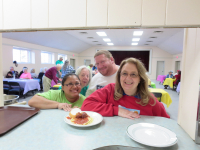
[127, 114]
[60, 79]
[65, 106]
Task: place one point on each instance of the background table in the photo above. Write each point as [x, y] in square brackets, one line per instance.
[169, 81]
[27, 84]
[48, 131]
[161, 78]
[165, 96]
[153, 85]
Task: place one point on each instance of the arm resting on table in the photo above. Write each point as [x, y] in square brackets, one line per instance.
[42, 103]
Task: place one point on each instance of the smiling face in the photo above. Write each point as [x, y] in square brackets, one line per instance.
[104, 64]
[84, 77]
[129, 78]
[72, 91]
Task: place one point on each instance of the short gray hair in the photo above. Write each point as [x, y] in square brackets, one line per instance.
[25, 68]
[78, 71]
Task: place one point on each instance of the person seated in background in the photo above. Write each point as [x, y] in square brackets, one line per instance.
[66, 68]
[33, 74]
[170, 75]
[21, 71]
[128, 97]
[94, 67]
[49, 76]
[85, 76]
[12, 73]
[40, 77]
[25, 74]
[178, 78]
[45, 69]
[176, 72]
[90, 66]
[65, 99]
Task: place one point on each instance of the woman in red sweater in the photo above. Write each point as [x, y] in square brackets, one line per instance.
[129, 97]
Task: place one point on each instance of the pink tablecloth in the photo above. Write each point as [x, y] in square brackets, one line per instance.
[161, 78]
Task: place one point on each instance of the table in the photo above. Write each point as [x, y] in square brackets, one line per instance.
[48, 131]
[153, 85]
[169, 81]
[27, 84]
[161, 78]
[165, 96]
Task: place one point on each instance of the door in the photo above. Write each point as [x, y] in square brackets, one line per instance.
[160, 68]
[177, 65]
[87, 62]
[72, 62]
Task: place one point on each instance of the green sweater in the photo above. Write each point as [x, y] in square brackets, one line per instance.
[59, 96]
[84, 90]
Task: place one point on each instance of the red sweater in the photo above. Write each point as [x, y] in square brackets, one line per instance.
[51, 74]
[102, 101]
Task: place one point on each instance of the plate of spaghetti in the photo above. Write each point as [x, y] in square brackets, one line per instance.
[80, 118]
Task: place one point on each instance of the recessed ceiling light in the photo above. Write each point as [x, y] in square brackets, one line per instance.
[137, 33]
[158, 32]
[94, 41]
[83, 32]
[135, 39]
[134, 44]
[146, 44]
[90, 37]
[110, 43]
[149, 41]
[101, 33]
[99, 44]
[153, 37]
[106, 39]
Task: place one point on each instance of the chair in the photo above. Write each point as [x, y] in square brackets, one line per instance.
[53, 88]
[6, 87]
[157, 95]
[15, 87]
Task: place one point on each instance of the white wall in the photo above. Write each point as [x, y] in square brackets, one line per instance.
[174, 61]
[7, 48]
[157, 55]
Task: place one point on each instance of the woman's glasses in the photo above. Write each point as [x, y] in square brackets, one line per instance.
[71, 84]
[133, 75]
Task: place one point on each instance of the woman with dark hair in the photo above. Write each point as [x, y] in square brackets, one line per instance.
[129, 97]
[66, 98]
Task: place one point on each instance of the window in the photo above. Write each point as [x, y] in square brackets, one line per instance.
[22, 55]
[62, 55]
[47, 58]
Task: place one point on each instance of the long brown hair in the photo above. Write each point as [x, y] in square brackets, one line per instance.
[142, 88]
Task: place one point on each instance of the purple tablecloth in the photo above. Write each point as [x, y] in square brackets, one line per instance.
[27, 84]
[161, 78]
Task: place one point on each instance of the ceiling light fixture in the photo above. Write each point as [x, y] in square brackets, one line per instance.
[149, 41]
[94, 41]
[90, 37]
[83, 32]
[134, 44]
[135, 39]
[110, 43]
[137, 33]
[106, 39]
[101, 33]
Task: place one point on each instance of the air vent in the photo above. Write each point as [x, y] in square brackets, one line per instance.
[94, 41]
[146, 44]
[149, 41]
[90, 37]
[158, 32]
[83, 32]
[99, 44]
[153, 37]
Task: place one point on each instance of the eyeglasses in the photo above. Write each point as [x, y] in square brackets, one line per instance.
[131, 75]
[71, 84]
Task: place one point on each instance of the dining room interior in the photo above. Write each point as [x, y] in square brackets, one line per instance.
[45, 31]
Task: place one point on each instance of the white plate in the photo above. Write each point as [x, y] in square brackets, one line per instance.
[151, 135]
[97, 118]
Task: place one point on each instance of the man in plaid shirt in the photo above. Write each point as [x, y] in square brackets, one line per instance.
[67, 68]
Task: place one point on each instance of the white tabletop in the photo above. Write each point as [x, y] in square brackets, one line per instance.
[48, 131]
